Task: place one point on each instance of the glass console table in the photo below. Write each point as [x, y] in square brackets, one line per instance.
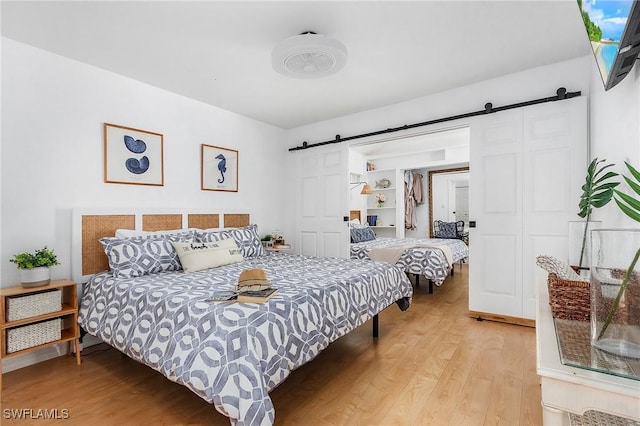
[576, 351]
[576, 382]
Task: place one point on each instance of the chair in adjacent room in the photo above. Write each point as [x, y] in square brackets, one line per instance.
[454, 230]
[451, 230]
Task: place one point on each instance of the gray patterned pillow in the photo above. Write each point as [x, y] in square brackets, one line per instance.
[447, 230]
[212, 236]
[137, 256]
[246, 238]
[360, 235]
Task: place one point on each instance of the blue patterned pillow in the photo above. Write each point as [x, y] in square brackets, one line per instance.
[137, 256]
[360, 235]
[447, 230]
[246, 238]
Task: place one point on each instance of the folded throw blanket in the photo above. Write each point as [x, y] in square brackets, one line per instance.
[392, 254]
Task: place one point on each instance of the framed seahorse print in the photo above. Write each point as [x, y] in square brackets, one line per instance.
[133, 156]
[219, 170]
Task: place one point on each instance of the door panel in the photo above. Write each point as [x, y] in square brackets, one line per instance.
[501, 172]
[495, 251]
[321, 201]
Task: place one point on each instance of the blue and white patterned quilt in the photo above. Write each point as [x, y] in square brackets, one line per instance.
[232, 354]
[426, 261]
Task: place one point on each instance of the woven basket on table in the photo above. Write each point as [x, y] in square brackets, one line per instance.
[568, 299]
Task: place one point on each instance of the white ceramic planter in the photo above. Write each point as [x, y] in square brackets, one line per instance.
[35, 277]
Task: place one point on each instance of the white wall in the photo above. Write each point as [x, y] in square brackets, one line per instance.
[53, 110]
[615, 134]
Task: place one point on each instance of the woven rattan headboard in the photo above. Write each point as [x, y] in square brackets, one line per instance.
[89, 225]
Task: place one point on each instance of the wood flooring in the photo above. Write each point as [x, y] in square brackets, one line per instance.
[431, 365]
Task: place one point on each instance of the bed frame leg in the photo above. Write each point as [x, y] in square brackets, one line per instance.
[453, 268]
[430, 286]
[376, 329]
[417, 278]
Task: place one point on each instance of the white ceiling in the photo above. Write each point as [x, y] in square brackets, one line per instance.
[219, 52]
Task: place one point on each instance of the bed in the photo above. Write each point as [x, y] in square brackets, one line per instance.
[418, 256]
[231, 354]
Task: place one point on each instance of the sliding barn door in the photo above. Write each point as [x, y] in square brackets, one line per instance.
[322, 201]
[495, 189]
[527, 167]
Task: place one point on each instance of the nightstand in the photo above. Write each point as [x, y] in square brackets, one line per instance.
[38, 317]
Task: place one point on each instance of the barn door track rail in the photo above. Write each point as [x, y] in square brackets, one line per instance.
[561, 94]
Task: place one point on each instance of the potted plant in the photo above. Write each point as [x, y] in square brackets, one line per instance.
[34, 267]
[597, 192]
[267, 241]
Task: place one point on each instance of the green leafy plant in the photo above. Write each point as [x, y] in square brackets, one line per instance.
[43, 257]
[267, 237]
[597, 191]
[631, 207]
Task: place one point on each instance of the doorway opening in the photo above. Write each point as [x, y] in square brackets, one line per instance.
[449, 196]
[386, 162]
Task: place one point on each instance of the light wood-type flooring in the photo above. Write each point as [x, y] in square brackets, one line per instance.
[431, 365]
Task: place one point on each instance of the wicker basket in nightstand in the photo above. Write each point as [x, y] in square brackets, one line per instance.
[31, 305]
[32, 335]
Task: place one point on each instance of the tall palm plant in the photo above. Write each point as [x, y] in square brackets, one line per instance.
[597, 192]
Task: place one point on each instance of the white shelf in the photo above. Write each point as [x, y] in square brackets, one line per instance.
[382, 171]
[386, 214]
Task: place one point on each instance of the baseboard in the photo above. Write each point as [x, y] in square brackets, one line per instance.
[44, 354]
[21, 361]
[502, 318]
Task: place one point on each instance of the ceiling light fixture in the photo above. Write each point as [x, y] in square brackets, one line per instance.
[309, 55]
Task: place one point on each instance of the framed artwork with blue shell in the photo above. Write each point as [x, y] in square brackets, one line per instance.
[133, 156]
[219, 169]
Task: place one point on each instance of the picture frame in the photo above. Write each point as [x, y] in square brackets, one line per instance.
[219, 168]
[133, 156]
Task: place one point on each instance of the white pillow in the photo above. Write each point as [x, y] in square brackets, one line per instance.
[558, 267]
[198, 256]
[358, 225]
[128, 233]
